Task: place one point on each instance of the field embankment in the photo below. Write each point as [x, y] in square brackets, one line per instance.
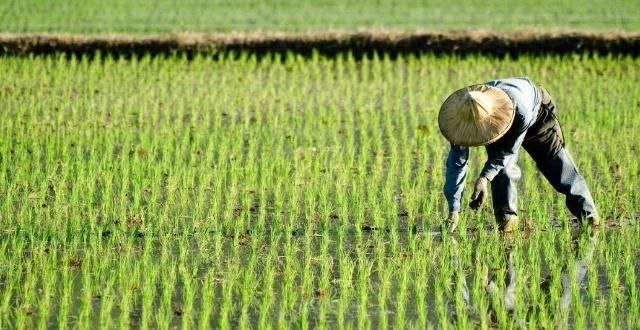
[327, 43]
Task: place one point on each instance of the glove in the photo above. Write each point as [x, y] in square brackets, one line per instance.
[453, 219]
[480, 193]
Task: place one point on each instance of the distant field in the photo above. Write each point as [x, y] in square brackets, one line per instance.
[291, 193]
[163, 16]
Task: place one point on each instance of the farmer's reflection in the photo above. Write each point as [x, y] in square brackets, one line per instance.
[580, 266]
[508, 294]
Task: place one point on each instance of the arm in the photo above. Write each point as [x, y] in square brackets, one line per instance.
[525, 99]
[455, 175]
[501, 153]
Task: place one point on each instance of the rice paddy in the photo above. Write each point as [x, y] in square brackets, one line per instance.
[289, 192]
[167, 16]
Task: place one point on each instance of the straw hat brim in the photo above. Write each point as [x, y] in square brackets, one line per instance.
[476, 115]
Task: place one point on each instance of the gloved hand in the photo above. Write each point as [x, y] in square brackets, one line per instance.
[452, 221]
[480, 192]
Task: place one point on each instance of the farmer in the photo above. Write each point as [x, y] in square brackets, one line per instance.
[503, 115]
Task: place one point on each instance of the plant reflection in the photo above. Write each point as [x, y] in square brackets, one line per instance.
[509, 301]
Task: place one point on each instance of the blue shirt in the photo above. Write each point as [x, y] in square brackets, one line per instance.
[526, 101]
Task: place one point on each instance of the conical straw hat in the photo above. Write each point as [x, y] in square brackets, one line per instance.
[476, 115]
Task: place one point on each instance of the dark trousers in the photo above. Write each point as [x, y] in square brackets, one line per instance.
[545, 143]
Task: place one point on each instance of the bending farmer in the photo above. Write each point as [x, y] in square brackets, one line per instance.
[503, 115]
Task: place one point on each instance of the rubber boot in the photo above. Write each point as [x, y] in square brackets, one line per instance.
[508, 223]
[594, 221]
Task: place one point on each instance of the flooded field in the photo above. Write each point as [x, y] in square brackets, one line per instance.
[290, 192]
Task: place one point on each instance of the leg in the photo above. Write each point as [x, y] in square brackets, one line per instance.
[563, 175]
[545, 143]
[504, 194]
[504, 191]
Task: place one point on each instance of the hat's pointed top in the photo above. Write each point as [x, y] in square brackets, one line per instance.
[476, 115]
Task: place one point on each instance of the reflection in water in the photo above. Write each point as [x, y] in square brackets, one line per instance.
[580, 268]
[508, 296]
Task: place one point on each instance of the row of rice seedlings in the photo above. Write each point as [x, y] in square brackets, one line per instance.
[293, 192]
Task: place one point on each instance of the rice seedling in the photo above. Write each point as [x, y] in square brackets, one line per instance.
[299, 192]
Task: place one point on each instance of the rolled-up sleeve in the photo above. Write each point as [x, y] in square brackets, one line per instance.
[455, 175]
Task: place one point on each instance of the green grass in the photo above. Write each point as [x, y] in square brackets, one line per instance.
[163, 16]
[152, 193]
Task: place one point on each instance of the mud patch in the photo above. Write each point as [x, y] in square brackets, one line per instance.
[359, 44]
